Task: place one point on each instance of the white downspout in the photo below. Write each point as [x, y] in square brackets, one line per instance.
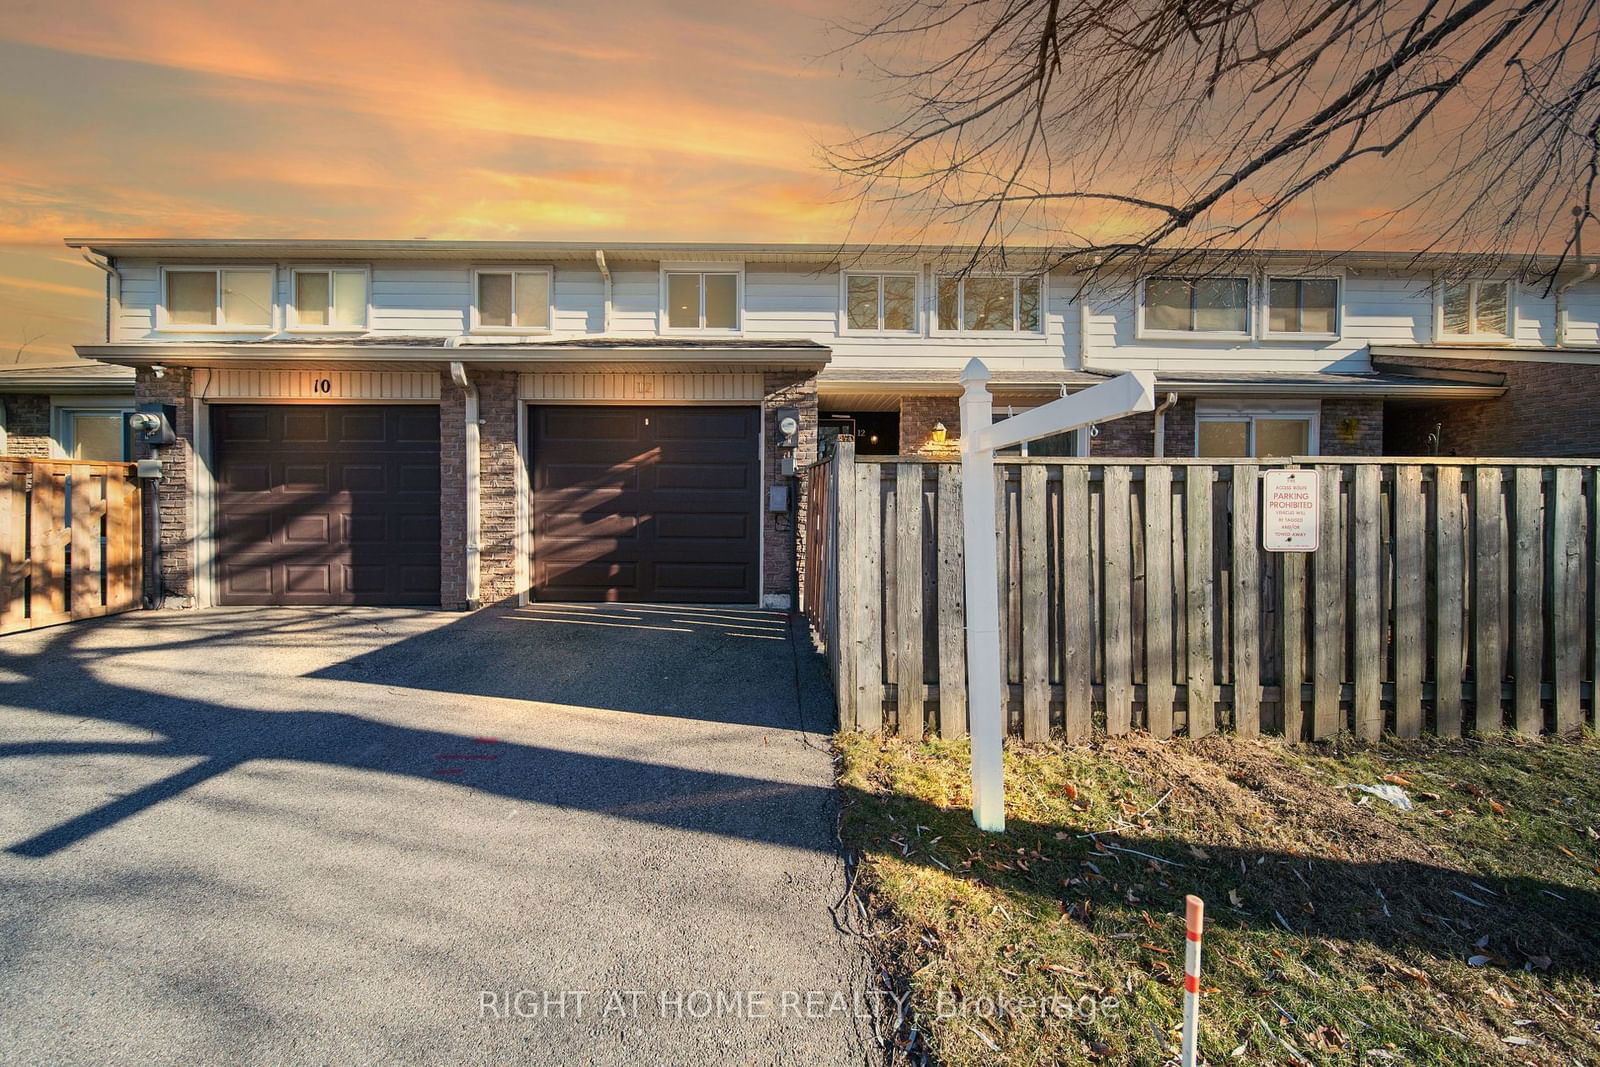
[458, 374]
[113, 287]
[605, 275]
[1161, 424]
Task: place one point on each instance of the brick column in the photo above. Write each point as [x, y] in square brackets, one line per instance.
[173, 585]
[782, 542]
[452, 495]
[497, 504]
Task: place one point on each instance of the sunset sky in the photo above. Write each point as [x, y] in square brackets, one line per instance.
[468, 119]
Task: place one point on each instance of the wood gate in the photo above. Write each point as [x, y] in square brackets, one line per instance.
[71, 535]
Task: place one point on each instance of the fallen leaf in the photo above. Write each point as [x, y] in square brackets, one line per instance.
[1235, 899]
[1199, 853]
[1395, 779]
[1071, 791]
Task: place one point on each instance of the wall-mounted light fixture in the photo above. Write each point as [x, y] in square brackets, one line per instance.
[939, 433]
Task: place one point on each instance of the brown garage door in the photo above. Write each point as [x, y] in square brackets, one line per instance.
[646, 504]
[321, 504]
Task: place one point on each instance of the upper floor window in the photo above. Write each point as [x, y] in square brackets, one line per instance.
[1304, 306]
[334, 299]
[217, 298]
[702, 300]
[881, 302]
[1475, 308]
[512, 300]
[1171, 305]
[991, 303]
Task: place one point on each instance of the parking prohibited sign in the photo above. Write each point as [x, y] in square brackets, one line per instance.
[1289, 511]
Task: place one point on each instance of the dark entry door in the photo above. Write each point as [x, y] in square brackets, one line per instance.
[324, 504]
[646, 504]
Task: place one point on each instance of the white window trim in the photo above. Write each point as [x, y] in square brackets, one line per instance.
[291, 309]
[663, 311]
[1476, 338]
[164, 323]
[548, 270]
[1265, 312]
[1237, 411]
[844, 327]
[1145, 333]
[1041, 279]
[63, 408]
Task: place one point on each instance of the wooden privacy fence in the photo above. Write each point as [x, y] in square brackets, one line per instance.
[71, 535]
[1446, 595]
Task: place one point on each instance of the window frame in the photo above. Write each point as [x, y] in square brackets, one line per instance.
[164, 321]
[664, 310]
[1268, 333]
[63, 409]
[1017, 277]
[1143, 332]
[1440, 285]
[1308, 411]
[291, 307]
[474, 319]
[917, 298]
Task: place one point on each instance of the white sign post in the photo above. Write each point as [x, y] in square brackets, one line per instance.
[980, 437]
[1290, 510]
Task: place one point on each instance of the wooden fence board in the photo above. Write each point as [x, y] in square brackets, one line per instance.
[1075, 601]
[1118, 590]
[1246, 601]
[14, 587]
[1488, 648]
[1202, 715]
[1410, 610]
[869, 630]
[50, 535]
[911, 715]
[1367, 626]
[1293, 623]
[1158, 600]
[1035, 606]
[1327, 644]
[1527, 592]
[1449, 602]
[1567, 596]
[952, 607]
[848, 609]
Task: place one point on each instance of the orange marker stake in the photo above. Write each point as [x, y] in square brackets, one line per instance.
[1195, 911]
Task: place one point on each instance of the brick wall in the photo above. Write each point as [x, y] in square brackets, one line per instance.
[177, 473]
[452, 495]
[497, 506]
[1546, 411]
[28, 425]
[1351, 428]
[917, 417]
[783, 547]
[1133, 436]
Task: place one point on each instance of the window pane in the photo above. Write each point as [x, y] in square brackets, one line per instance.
[899, 303]
[722, 301]
[949, 303]
[1220, 304]
[1282, 437]
[494, 300]
[247, 297]
[1283, 306]
[349, 298]
[1492, 309]
[987, 304]
[1224, 439]
[1319, 299]
[1166, 303]
[1457, 300]
[98, 436]
[683, 301]
[192, 297]
[311, 299]
[1028, 311]
[1057, 444]
[533, 300]
[861, 300]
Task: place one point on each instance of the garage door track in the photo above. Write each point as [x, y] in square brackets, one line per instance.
[553, 834]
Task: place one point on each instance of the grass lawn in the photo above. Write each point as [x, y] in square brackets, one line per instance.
[1339, 928]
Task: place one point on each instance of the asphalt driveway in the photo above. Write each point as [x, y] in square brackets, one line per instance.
[555, 834]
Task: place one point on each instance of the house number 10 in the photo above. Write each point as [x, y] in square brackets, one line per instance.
[322, 385]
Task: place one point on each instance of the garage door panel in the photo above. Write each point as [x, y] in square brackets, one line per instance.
[646, 504]
[325, 504]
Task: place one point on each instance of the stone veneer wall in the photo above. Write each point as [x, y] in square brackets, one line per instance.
[177, 474]
[28, 425]
[783, 540]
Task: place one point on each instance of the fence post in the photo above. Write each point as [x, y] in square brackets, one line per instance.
[983, 602]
